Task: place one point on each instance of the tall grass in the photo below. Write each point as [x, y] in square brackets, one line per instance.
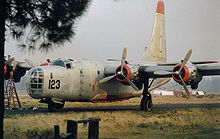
[115, 124]
[160, 123]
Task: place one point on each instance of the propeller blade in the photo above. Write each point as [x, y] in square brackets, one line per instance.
[159, 84]
[184, 86]
[29, 62]
[106, 79]
[131, 83]
[124, 55]
[185, 60]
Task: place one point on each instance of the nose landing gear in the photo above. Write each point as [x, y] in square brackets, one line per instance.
[52, 107]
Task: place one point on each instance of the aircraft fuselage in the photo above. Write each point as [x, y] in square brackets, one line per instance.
[75, 81]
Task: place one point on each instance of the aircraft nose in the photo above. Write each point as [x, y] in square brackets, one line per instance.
[35, 80]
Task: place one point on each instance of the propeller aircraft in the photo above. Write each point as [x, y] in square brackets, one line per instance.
[89, 81]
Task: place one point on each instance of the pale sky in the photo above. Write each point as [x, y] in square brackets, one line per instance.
[110, 25]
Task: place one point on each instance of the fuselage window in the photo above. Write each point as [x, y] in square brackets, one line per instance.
[36, 79]
[68, 66]
[98, 72]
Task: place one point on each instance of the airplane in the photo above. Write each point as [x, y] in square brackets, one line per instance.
[90, 81]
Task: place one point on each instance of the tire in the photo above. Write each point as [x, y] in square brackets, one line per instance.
[52, 107]
[146, 103]
[59, 106]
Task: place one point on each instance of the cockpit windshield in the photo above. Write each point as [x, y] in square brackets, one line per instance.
[58, 63]
[64, 63]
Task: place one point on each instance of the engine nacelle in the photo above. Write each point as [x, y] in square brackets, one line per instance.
[131, 72]
[189, 74]
[128, 71]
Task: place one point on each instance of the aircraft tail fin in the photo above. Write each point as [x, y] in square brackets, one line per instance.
[156, 50]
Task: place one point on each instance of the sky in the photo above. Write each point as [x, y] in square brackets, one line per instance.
[110, 25]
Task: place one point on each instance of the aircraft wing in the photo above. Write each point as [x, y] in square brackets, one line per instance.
[190, 74]
[167, 71]
[185, 73]
[209, 70]
[152, 71]
[194, 62]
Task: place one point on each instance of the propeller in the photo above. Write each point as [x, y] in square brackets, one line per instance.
[106, 79]
[123, 60]
[183, 63]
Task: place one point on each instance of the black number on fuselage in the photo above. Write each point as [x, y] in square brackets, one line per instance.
[54, 84]
[57, 84]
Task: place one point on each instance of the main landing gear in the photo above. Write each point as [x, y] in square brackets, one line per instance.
[146, 101]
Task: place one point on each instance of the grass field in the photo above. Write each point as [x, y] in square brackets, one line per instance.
[159, 123]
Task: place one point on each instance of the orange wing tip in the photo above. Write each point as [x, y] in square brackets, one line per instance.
[211, 61]
[160, 7]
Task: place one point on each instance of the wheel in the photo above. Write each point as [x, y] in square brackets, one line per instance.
[54, 106]
[146, 103]
[51, 106]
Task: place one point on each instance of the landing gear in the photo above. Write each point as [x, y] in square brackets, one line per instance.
[146, 101]
[54, 106]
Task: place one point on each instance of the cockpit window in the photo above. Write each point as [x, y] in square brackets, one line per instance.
[64, 63]
[68, 65]
[58, 63]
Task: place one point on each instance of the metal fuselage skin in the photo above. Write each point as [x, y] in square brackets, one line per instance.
[78, 81]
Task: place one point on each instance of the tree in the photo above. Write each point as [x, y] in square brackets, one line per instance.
[50, 24]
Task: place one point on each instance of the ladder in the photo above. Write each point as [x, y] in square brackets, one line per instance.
[11, 95]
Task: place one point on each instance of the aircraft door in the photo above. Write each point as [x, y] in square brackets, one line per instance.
[84, 81]
[81, 83]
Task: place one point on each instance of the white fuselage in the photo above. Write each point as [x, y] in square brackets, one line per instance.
[76, 81]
